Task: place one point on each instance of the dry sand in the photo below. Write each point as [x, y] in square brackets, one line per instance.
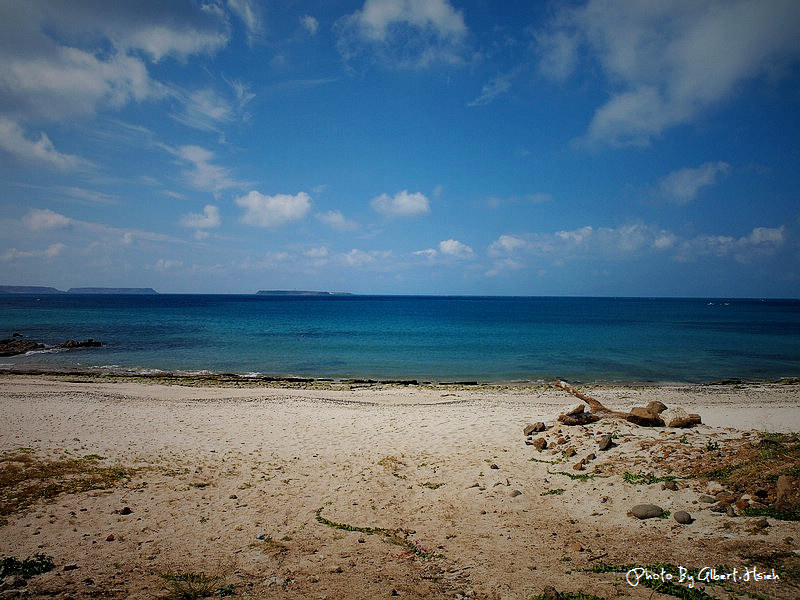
[231, 482]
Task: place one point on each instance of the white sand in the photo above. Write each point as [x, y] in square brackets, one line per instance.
[365, 457]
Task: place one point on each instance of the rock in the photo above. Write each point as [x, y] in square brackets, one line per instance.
[570, 452]
[605, 442]
[534, 428]
[70, 567]
[576, 547]
[493, 466]
[647, 511]
[515, 493]
[110, 537]
[540, 444]
[762, 523]
[783, 491]
[720, 507]
[580, 419]
[15, 346]
[730, 511]
[590, 457]
[670, 485]
[126, 511]
[656, 407]
[683, 517]
[550, 593]
[741, 504]
[639, 415]
[575, 410]
[90, 343]
[580, 465]
[677, 417]
[724, 496]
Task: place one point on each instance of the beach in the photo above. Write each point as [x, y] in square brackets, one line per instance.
[375, 491]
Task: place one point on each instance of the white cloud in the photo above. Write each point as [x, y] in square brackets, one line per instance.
[310, 24]
[668, 62]
[202, 109]
[506, 244]
[491, 91]
[51, 251]
[42, 151]
[404, 33]
[207, 219]
[455, 249]
[402, 204]
[166, 264]
[204, 175]
[760, 242]
[428, 252]
[360, 258]
[249, 13]
[43, 219]
[336, 220]
[683, 185]
[273, 211]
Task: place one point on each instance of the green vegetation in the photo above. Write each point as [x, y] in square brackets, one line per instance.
[192, 586]
[398, 537]
[28, 567]
[581, 477]
[26, 478]
[788, 514]
[555, 492]
[432, 486]
[541, 460]
[643, 479]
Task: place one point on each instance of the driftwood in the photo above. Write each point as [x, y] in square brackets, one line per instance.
[595, 405]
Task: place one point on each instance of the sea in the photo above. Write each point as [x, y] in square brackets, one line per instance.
[424, 338]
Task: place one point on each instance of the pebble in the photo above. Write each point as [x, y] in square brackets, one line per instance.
[647, 511]
[515, 493]
[683, 517]
[540, 444]
[707, 499]
[493, 466]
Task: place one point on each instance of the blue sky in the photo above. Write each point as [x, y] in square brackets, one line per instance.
[402, 146]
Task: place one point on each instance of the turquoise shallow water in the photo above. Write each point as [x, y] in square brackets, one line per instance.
[403, 337]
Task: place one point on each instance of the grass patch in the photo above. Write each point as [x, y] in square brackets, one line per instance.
[398, 537]
[541, 460]
[28, 567]
[788, 514]
[643, 479]
[432, 486]
[191, 586]
[556, 492]
[570, 596]
[26, 478]
[581, 477]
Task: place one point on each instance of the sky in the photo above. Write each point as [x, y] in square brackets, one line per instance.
[600, 147]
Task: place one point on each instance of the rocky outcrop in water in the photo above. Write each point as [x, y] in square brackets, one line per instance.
[17, 344]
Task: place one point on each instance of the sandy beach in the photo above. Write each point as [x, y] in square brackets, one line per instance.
[387, 491]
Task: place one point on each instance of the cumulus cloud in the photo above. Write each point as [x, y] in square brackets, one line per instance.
[310, 24]
[683, 185]
[668, 62]
[404, 33]
[402, 204]
[43, 219]
[41, 151]
[273, 211]
[207, 219]
[455, 249]
[336, 220]
[760, 242]
[506, 245]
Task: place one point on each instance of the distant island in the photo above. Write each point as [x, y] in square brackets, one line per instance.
[43, 290]
[299, 293]
[110, 290]
[28, 289]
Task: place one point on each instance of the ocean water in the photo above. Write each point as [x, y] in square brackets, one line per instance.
[489, 339]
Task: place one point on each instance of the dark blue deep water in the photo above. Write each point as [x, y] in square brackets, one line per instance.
[491, 339]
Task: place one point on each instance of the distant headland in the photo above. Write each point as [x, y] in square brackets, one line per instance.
[43, 290]
[299, 293]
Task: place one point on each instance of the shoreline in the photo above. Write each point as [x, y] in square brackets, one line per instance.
[201, 378]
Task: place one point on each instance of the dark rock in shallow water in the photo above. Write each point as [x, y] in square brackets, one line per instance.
[16, 345]
[90, 343]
